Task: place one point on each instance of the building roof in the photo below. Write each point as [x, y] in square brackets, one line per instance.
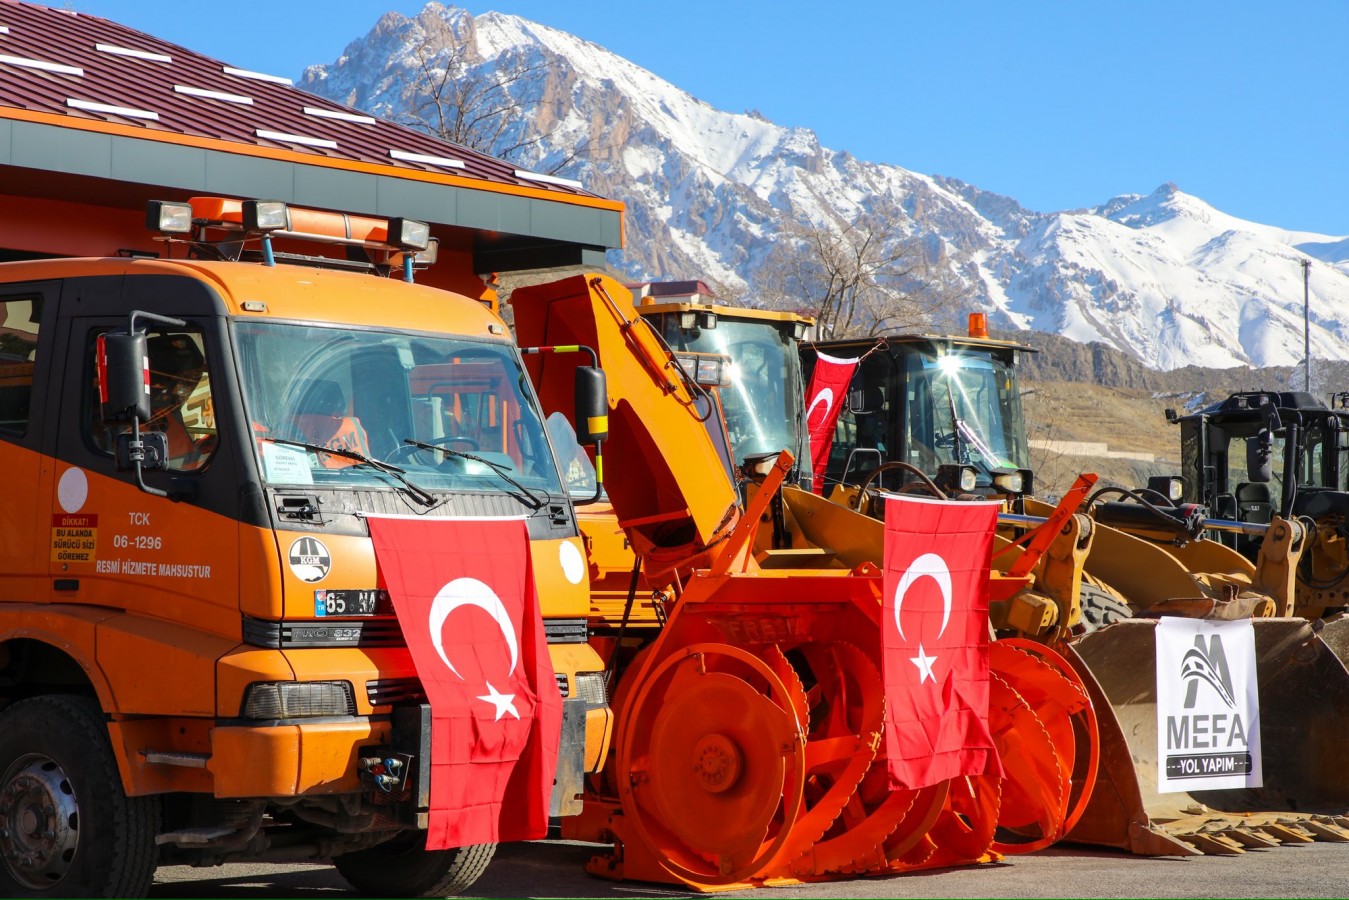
[86, 96]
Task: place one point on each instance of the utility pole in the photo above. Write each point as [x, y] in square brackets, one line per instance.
[1306, 326]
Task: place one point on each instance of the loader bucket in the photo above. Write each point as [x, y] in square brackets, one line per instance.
[1302, 683]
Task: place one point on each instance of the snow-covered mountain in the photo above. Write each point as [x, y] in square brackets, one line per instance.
[1162, 276]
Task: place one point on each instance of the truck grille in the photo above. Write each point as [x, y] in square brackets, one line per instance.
[348, 633]
[392, 691]
[565, 631]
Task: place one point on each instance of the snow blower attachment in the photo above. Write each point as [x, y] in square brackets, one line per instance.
[1106, 702]
[750, 694]
[1041, 711]
[954, 401]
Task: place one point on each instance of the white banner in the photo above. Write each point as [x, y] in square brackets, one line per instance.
[1208, 705]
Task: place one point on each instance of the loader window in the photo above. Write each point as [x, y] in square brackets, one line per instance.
[964, 406]
[763, 402]
[1237, 472]
[180, 400]
[1342, 461]
[19, 318]
[864, 424]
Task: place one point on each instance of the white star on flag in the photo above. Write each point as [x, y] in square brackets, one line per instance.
[505, 703]
[922, 661]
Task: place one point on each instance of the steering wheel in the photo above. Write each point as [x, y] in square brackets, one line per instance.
[407, 451]
[923, 485]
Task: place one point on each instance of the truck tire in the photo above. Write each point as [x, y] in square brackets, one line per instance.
[66, 827]
[1101, 608]
[403, 867]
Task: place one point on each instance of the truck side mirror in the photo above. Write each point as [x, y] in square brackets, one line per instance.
[592, 405]
[124, 376]
[1259, 449]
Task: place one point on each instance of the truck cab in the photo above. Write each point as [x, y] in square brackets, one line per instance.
[208, 621]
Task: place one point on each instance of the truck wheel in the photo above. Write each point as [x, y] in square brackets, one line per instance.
[66, 827]
[403, 867]
[1101, 608]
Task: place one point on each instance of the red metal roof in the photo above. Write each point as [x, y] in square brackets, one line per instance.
[159, 86]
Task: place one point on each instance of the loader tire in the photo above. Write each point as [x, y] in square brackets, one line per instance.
[66, 827]
[403, 867]
[1101, 608]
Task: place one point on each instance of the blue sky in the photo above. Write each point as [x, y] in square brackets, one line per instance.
[1057, 104]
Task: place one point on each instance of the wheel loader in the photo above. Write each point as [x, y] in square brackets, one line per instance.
[953, 404]
[961, 422]
[747, 686]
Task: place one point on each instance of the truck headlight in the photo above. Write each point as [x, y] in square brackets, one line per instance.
[590, 687]
[298, 699]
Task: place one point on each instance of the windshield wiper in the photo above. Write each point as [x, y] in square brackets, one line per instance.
[494, 466]
[418, 493]
[956, 422]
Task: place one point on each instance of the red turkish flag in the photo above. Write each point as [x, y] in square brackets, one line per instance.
[824, 401]
[934, 625]
[464, 593]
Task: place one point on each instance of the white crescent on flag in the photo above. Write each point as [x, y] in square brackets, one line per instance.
[470, 592]
[929, 565]
[826, 395]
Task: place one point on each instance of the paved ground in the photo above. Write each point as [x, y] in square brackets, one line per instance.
[553, 869]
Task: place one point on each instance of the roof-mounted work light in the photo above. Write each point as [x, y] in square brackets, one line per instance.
[409, 234]
[423, 258]
[168, 217]
[265, 215]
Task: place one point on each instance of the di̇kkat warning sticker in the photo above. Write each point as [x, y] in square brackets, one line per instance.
[74, 537]
[1208, 705]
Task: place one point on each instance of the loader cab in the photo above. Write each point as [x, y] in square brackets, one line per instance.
[763, 393]
[1234, 463]
[930, 402]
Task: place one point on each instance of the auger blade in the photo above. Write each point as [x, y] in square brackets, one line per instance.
[714, 761]
[1058, 698]
[845, 732]
[1035, 784]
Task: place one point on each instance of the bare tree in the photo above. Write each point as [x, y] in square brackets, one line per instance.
[858, 278]
[448, 90]
[448, 93]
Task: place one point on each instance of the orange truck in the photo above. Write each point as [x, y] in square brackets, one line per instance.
[197, 662]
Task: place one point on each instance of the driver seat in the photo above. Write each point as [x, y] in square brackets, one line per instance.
[323, 420]
[1254, 502]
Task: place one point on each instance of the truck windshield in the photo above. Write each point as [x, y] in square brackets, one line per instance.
[369, 392]
[964, 406]
[764, 398]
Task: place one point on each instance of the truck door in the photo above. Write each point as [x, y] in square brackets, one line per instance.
[172, 557]
[27, 312]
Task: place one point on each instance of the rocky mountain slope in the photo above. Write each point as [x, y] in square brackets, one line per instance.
[1162, 277]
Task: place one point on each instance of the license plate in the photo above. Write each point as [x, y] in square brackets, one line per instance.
[351, 603]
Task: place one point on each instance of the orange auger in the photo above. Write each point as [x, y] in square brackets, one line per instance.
[1049, 738]
[749, 701]
[1042, 715]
